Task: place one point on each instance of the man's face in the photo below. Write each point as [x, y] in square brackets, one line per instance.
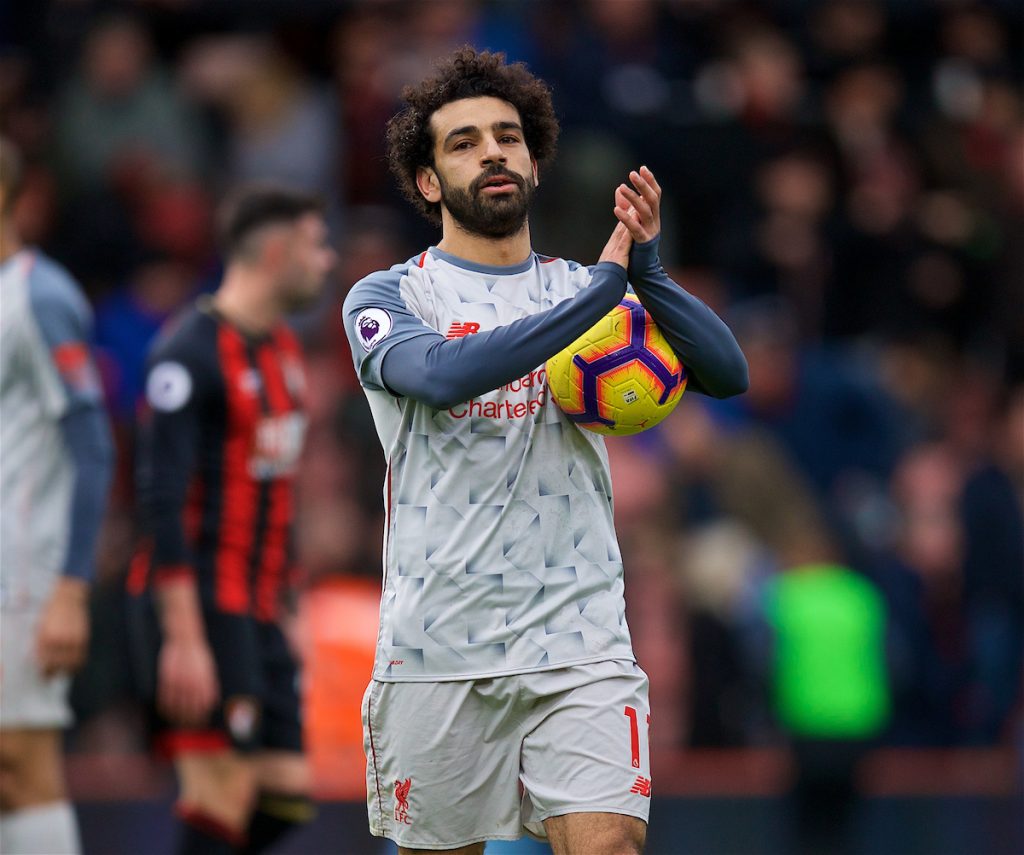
[308, 259]
[483, 173]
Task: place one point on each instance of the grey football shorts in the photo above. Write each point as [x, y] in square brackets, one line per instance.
[456, 762]
[27, 698]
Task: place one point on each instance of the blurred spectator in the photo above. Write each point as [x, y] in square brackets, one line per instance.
[828, 412]
[746, 512]
[924, 586]
[613, 69]
[777, 242]
[991, 512]
[121, 113]
[830, 689]
[844, 31]
[957, 591]
[367, 86]
[279, 125]
[121, 127]
[128, 319]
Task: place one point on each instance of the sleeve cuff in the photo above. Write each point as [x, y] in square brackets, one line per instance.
[643, 257]
[171, 573]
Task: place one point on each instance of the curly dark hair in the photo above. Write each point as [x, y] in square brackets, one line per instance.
[466, 74]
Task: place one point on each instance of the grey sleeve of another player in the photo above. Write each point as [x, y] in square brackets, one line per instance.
[63, 320]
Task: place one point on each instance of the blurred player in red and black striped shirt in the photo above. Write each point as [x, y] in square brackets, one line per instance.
[219, 442]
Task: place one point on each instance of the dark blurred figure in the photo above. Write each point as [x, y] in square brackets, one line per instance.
[955, 591]
[127, 321]
[827, 410]
[122, 106]
[220, 441]
[122, 130]
[778, 242]
[745, 511]
[924, 588]
[980, 425]
[279, 123]
[844, 31]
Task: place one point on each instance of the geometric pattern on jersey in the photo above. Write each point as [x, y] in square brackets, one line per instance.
[500, 551]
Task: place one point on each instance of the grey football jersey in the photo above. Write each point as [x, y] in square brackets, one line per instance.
[500, 555]
[43, 318]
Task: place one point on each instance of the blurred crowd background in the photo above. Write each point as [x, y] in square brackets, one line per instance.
[834, 557]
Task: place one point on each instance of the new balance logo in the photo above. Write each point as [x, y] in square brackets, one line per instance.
[641, 786]
[460, 328]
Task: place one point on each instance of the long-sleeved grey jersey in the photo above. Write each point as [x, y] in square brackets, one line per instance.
[500, 552]
[55, 448]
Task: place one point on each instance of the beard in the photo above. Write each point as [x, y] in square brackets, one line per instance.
[487, 215]
[300, 291]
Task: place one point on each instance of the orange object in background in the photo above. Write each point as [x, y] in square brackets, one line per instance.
[338, 619]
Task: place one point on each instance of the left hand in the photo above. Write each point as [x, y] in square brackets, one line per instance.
[618, 247]
[639, 207]
[62, 637]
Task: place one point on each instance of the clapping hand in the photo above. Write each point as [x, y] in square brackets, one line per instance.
[638, 208]
[618, 246]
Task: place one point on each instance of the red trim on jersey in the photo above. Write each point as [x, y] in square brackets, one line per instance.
[171, 572]
[174, 742]
[70, 356]
[138, 570]
[239, 493]
[422, 259]
[548, 260]
[74, 364]
[274, 553]
[289, 345]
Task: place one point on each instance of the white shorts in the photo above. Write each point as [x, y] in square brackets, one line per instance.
[454, 763]
[27, 699]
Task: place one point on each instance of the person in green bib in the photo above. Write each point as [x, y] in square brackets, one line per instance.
[830, 688]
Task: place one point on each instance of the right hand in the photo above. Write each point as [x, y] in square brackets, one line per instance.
[187, 686]
[618, 246]
[62, 637]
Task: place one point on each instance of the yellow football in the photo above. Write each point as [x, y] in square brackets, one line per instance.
[621, 376]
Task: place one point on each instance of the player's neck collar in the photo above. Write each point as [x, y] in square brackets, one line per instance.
[475, 267]
[206, 305]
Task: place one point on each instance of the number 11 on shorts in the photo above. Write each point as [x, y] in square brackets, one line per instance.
[634, 734]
